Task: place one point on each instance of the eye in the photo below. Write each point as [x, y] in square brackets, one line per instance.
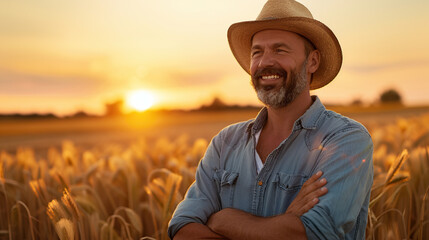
[255, 52]
[281, 50]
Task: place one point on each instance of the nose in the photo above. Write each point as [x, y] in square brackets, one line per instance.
[266, 60]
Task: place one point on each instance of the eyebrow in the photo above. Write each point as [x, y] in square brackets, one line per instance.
[255, 47]
[275, 45]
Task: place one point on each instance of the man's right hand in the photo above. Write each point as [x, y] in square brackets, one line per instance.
[196, 231]
[308, 196]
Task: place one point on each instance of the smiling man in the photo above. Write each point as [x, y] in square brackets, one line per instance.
[261, 179]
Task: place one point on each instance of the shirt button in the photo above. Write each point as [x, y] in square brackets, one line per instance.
[260, 183]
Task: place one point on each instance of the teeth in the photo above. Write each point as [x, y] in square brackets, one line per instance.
[270, 77]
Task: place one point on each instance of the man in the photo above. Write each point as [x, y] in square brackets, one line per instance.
[261, 179]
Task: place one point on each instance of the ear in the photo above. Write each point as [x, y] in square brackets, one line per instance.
[313, 61]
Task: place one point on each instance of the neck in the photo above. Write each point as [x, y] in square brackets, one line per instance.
[280, 120]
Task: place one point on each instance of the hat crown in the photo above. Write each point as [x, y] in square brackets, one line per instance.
[275, 9]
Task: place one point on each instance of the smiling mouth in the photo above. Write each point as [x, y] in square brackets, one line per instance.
[270, 81]
[270, 77]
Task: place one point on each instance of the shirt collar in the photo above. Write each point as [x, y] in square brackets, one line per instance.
[311, 117]
[308, 120]
[256, 125]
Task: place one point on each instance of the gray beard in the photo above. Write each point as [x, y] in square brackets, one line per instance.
[287, 93]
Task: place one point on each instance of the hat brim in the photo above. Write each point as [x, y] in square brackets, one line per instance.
[240, 41]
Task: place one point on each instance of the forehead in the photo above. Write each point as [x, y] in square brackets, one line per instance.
[273, 36]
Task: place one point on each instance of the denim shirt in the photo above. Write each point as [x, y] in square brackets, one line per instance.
[320, 140]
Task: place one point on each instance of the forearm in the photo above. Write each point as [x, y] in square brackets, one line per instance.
[236, 224]
[196, 231]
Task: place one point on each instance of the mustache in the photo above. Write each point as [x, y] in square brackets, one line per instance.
[269, 71]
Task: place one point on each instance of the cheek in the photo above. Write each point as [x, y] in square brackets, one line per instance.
[288, 63]
[253, 67]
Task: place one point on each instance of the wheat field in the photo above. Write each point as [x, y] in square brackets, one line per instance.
[112, 191]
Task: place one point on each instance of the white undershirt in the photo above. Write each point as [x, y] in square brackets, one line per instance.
[259, 164]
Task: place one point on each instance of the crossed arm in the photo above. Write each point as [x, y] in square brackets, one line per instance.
[236, 224]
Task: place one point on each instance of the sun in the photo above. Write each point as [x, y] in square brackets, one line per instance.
[140, 100]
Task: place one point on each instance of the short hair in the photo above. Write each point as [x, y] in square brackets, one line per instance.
[308, 46]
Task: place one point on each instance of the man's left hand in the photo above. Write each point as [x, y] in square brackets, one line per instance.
[308, 195]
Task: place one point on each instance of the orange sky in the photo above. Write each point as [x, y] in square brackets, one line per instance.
[64, 56]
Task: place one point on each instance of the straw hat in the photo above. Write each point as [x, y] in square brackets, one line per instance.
[291, 16]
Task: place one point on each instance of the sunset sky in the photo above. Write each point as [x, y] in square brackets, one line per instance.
[65, 56]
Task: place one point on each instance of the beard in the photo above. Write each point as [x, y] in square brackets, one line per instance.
[278, 97]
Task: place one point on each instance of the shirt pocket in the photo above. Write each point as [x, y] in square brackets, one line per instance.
[287, 187]
[226, 181]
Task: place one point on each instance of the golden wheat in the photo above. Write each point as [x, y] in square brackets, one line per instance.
[130, 192]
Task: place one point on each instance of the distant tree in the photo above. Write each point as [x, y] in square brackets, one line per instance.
[217, 104]
[390, 96]
[357, 102]
[114, 108]
[80, 114]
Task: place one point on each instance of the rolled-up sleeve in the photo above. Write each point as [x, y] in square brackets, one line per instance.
[202, 198]
[346, 162]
